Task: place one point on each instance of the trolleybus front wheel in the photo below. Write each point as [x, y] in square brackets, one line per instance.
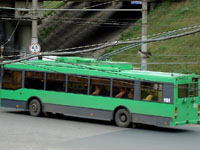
[122, 118]
[35, 108]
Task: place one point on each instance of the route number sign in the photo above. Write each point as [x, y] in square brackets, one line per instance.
[35, 48]
[136, 3]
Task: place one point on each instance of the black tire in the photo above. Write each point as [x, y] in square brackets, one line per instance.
[35, 108]
[122, 118]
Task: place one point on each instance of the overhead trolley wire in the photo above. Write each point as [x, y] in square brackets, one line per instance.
[103, 46]
[9, 39]
[159, 36]
[101, 4]
[112, 24]
[70, 9]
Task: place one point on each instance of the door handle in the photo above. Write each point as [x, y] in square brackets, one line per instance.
[184, 100]
[193, 100]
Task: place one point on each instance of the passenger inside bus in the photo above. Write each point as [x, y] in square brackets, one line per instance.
[121, 93]
[149, 96]
[97, 90]
[130, 94]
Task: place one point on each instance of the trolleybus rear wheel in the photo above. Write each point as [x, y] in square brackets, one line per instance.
[35, 108]
[122, 118]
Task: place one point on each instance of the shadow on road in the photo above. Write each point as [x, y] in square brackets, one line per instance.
[164, 129]
[63, 117]
[175, 130]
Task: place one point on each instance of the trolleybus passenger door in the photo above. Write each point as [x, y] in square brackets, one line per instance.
[187, 104]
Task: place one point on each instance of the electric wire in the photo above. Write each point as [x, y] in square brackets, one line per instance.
[157, 35]
[135, 38]
[101, 4]
[76, 9]
[100, 44]
[103, 46]
[108, 44]
[9, 39]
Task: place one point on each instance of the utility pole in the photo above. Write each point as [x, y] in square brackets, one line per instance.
[34, 47]
[144, 35]
[1, 55]
[34, 21]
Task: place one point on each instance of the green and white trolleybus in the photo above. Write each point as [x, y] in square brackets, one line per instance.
[102, 90]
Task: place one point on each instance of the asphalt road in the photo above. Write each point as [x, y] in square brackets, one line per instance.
[19, 131]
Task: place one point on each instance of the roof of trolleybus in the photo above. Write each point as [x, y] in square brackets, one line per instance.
[91, 67]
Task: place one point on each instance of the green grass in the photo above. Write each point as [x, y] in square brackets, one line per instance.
[52, 4]
[170, 15]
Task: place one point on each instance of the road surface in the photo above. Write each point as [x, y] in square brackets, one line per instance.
[19, 131]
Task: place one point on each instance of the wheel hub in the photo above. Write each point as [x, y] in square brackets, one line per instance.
[34, 107]
[123, 118]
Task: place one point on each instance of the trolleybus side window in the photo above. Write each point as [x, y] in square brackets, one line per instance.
[55, 82]
[123, 89]
[151, 91]
[193, 91]
[196, 89]
[183, 90]
[187, 90]
[100, 86]
[77, 84]
[12, 80]
[34, 80]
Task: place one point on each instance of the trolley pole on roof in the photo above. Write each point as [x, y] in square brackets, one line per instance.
[34, 21]
[144, 35]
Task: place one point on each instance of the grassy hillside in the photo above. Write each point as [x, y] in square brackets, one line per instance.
[52, 4]
[170, 15]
